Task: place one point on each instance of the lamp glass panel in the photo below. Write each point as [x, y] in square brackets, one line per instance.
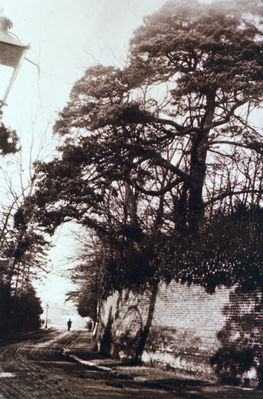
[5, 76]
[10, 54]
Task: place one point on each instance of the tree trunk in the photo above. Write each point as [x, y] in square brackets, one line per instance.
[198, 170]
[143, 335]
[198, 165]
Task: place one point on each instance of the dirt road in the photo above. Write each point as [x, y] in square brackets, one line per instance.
[36, 368]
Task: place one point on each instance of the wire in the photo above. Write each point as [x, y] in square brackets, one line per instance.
[38, 79]
[32, 62]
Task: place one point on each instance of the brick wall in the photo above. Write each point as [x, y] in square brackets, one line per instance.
[192, 311]
[185, 324]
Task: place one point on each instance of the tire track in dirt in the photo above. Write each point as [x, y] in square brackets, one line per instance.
[39, 372]
[29, 379]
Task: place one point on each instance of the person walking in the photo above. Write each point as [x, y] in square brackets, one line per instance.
[69, 323]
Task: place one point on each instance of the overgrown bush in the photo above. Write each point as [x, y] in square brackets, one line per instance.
[230, 364]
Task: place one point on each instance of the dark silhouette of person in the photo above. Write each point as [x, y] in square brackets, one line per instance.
[69, 323]
[89, 325]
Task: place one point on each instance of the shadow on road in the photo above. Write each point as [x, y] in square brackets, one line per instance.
[38, 368]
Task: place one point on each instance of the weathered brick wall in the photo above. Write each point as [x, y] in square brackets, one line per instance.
[187, 320]
[190, 311]
[185, 324]
[244, 319]
[241, 338]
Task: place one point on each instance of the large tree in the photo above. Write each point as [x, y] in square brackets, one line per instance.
[159, 154]
[175, 123]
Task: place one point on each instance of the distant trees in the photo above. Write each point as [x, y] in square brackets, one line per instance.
[22, 244]
[90, 275]
[20, 309]
[19, 312]
[22, 258]
[159, 158]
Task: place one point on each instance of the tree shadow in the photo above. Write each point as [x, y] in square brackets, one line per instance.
[239, 360]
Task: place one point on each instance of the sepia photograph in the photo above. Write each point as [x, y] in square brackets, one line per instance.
[131, 199]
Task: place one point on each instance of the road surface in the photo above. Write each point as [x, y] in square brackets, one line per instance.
[35, 368]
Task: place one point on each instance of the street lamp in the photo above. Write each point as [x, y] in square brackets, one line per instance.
[47, 306]
[11, 54]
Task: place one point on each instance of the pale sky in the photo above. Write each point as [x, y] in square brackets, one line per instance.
[65, 37]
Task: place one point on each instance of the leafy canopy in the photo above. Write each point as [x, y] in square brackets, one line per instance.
[153, 152]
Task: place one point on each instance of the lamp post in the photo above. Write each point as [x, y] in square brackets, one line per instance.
[11, 54]
[47, 306]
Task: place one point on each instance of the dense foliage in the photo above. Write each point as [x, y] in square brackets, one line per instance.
[8, 140]
[228, 250]
[157, 155]
[23, 247]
